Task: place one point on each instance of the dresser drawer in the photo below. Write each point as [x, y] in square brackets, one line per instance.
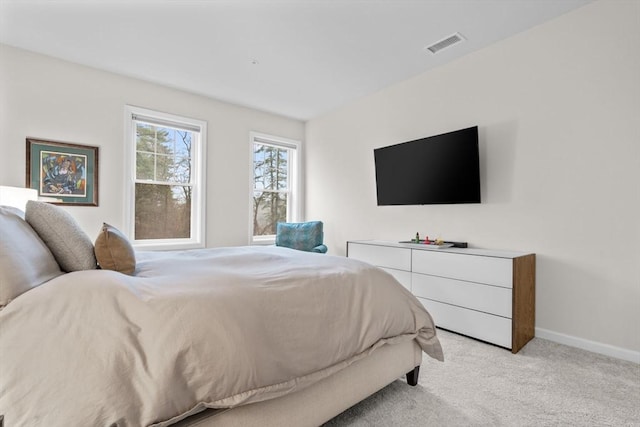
[404, 277]
[381, 256]
[489, 299]
[472, 268]
[486, 327]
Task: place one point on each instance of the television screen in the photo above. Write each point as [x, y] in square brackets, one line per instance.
[441, 169]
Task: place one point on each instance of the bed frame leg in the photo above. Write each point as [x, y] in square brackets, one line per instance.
[412, 376]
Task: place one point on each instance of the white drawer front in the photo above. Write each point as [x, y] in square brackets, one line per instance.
[404, 277]
[480, 269]
[490, 299]
[493, 329]
[382, 256]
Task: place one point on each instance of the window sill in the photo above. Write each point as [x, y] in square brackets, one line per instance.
[166, 246]
[266, 241]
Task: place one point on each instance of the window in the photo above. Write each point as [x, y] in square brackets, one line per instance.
[165, 191]
[275, 185]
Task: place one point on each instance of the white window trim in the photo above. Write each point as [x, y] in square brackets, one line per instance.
[295, 211]
[198, 208]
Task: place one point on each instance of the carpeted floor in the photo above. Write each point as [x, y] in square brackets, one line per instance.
[545, 384]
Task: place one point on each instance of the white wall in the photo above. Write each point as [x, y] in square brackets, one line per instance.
[558, 109]
[51, 99]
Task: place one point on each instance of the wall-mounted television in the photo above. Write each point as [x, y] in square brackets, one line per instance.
[440, 169]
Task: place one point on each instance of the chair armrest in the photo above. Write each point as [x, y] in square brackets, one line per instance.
[320, 249]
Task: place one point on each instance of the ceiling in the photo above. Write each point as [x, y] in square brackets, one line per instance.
[297, 58]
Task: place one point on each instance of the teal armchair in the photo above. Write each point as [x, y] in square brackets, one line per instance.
[303, 236]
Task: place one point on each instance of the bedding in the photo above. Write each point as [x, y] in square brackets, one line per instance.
[25, 261]
[113, 250]
[71, 247]
[212, 328]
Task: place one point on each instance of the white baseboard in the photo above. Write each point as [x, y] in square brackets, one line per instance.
[593, 346]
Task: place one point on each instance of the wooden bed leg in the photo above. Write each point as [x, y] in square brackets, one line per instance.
[412, 376]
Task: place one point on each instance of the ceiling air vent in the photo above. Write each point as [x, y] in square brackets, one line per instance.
[445, 43]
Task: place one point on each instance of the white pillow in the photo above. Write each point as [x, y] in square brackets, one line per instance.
[25, 261]
[70, 246]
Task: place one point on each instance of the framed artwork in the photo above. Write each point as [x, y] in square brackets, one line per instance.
[63, 173]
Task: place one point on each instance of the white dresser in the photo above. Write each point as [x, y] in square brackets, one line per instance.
[484, 294]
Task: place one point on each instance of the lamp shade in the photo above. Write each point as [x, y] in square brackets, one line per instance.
[16, 197]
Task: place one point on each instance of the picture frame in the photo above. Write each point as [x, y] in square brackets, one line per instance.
[63, 173]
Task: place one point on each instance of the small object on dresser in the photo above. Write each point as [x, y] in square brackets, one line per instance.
[417, 237]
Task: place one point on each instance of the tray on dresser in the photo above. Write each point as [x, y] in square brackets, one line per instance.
[428, 245]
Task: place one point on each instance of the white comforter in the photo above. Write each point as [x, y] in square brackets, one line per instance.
[208, 328]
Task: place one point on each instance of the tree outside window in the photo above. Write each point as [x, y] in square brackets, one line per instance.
[163, 182]
[274, 185]
[165, 199]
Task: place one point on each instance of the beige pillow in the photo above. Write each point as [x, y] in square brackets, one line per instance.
[25, 261]
[113, 250]
[70, 246]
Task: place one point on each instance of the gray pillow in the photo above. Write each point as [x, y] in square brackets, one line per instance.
[70, 246]
[25, 261]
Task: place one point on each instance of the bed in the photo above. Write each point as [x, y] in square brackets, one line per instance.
[240, 336]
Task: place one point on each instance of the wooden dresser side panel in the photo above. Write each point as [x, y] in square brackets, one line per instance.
[524, 301]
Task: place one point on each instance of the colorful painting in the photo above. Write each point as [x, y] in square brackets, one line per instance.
[63, 173]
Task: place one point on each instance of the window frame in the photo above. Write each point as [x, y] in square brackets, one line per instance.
[294, 202]
[198, 185]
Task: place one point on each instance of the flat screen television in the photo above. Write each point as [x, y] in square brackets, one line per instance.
[440, 169]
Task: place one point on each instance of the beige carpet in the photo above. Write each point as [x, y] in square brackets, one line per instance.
[545, 384]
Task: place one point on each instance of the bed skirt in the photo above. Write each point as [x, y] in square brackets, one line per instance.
[323, 400]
